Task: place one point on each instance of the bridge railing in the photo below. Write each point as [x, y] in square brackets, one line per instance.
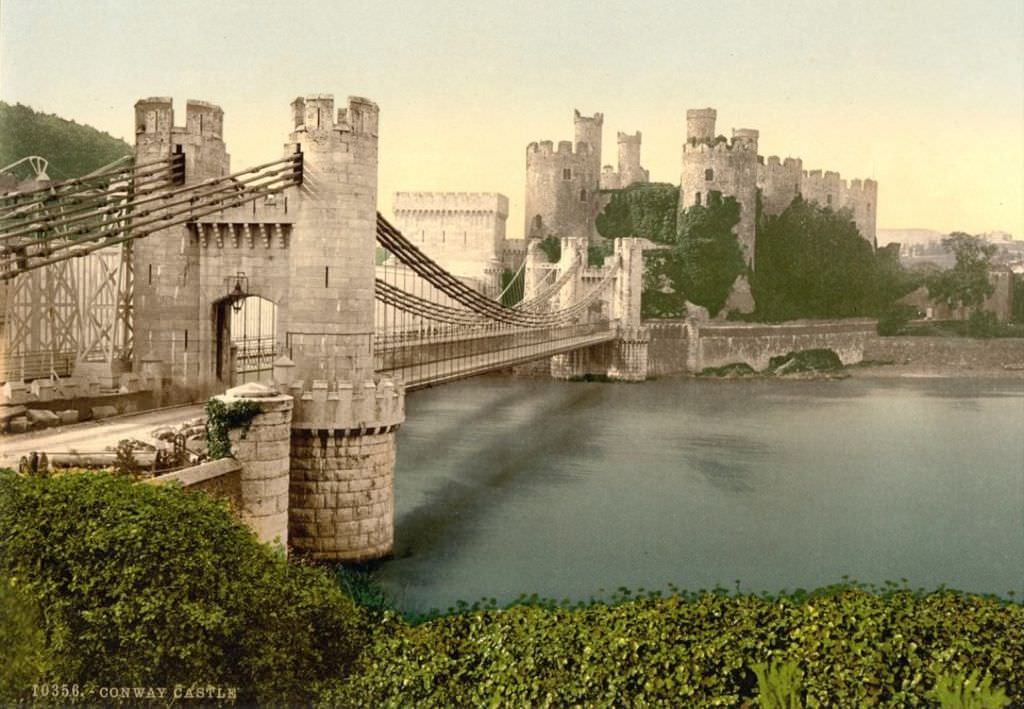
[36, 365]
[444, 356]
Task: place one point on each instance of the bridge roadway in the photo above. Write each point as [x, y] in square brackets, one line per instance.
[426, 361]
[419, 362]
[93, 436]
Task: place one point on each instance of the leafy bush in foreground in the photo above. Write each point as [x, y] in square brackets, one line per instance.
[849, 647]
[155, 586]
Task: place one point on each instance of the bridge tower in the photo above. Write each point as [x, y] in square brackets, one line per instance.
[166, 301]
[341, 492]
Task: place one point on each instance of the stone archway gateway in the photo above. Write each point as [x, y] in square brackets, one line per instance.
[246, 343]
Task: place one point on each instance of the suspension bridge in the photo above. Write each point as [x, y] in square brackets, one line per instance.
[143, 273]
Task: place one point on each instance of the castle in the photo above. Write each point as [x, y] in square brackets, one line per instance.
[565, 191]
[567, 187]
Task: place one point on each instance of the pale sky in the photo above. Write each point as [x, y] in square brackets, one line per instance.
[925, 96]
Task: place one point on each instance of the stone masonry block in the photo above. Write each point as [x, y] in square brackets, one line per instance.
[271, 450]
[276, 486]
[264, 470]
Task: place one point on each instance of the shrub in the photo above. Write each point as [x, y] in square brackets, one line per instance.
[23, 655]
[816, 360]
[142, 585]
[845, 646]
[894, 319]
[982, 323]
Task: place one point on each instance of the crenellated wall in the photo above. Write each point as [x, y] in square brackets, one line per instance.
[463, 231]
[780, 183]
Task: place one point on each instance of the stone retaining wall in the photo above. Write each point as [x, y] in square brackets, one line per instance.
[220, 478]
[678, 346]
[957, 353]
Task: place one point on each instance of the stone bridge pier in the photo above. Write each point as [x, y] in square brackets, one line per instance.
[341, 494]
[625, 358]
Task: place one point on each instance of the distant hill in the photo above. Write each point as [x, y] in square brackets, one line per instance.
[71, 149]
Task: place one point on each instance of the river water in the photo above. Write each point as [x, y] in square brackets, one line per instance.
[572, 490]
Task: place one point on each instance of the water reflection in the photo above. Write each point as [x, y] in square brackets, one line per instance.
[509, 485]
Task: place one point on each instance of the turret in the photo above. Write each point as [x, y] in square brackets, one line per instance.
[630, 170]
[700, 125]
[588, 130]
[745, 138]
[168, 322]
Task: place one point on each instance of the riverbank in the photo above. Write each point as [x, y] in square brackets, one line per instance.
[942, 357]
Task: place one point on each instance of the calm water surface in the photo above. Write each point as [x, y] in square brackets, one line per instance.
[571, 490]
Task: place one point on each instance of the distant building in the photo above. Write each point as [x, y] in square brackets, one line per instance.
[1000, 303]
[462, 231]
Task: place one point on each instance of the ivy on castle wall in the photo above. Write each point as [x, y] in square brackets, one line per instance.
[221, 418]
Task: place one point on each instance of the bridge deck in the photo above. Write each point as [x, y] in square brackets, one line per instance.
[425, 361]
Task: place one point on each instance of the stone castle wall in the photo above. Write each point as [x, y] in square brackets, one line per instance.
[463, 232]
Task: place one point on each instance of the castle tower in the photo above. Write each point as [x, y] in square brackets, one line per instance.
[562, 185]
[861, 198]
[700, 125]
[588, 130]
[780, 183]
[341, 493]
[169, 320]
[730, 169]
[630, 171]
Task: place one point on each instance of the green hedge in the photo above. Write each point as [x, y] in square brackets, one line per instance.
[852, 648]
[141, 585]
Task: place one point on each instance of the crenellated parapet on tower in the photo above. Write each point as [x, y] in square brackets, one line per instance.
[562, 184]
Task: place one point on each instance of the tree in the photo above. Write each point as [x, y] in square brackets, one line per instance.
[552, 247]
[813, 263]
[967, 283]
[644, 210]
[702, 256]
[708, 255]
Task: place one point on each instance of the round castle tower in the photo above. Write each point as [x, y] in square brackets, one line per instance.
[562, 185]
[341, 493]
[729, 168]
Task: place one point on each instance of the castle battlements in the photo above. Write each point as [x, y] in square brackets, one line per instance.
[775, 164]
[631, 139]
[155, 115]
[316, 112]
[721, 145]
[340, 405]
[546, 148]
[481, 202]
